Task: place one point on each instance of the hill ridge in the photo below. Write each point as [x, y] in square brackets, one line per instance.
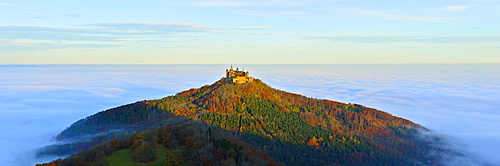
[292, 128]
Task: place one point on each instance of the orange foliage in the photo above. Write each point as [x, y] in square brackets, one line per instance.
[312, 142]
[283, 108]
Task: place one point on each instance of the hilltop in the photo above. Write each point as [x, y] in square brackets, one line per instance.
[290, 128]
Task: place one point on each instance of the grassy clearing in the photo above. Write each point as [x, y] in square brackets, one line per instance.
[123, 158]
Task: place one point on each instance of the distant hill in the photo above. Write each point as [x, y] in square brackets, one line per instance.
[290, 128]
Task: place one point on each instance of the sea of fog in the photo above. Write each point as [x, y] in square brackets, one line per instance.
[460, 102]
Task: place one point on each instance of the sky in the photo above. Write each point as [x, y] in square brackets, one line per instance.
[458, 102]
[249, 32]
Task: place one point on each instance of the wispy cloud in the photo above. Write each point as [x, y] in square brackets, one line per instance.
[24, 9]
[71, 15]
[305, 9]
[395, 38]
[291, 13]
[110, 31]
[14, 44]
[7, 4]
[255, 13]
[246, 3]
[269, 8]
[144, 27]
[107, 34]
[54, 34]
[455, 8]
[248, 33]
[220, 3]
[6, 47]
[244, 28]
[35, 13]
[283, 14]
[397, 17]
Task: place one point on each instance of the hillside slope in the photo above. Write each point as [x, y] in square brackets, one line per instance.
[174, 144]
[291, 128]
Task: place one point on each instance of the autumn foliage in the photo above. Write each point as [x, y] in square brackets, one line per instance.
[291, 128]
[188, 143]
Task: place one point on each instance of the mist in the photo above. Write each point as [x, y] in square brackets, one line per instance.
[460, 102]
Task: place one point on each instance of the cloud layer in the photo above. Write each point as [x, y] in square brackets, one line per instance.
[459, 101]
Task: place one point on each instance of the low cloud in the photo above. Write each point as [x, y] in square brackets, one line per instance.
[28, 88]
[455, 8]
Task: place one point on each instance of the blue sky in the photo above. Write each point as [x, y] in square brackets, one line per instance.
[249, 32]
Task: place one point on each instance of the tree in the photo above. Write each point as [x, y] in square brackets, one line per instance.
[144, 152]
[174, 157]
[313, 141]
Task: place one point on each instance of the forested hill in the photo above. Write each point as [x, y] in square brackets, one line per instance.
[291, 128]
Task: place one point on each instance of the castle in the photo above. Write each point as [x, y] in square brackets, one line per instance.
[237, 76]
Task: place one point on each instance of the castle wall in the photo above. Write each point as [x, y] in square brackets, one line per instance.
[239, 80]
